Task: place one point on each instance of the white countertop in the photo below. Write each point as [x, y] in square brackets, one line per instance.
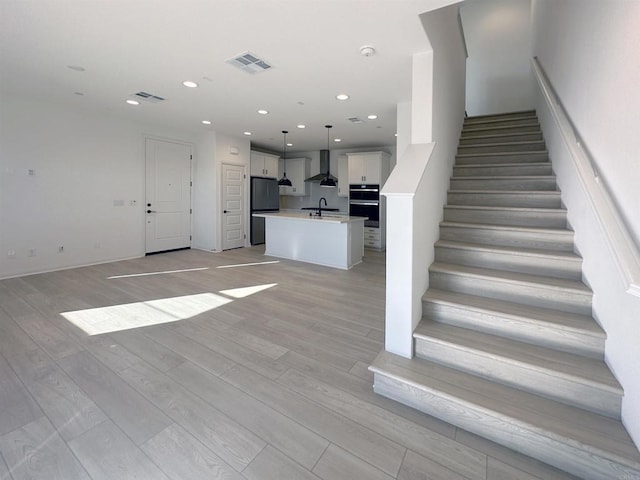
[325, 218]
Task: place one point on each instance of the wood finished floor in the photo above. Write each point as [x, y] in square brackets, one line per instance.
[267, 383]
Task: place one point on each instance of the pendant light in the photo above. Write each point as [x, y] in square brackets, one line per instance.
[284, 181]
[327, 181]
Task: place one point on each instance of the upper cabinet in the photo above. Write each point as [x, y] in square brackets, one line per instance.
[369, 167]
[264, 165]
[343, 176]
[298, 169]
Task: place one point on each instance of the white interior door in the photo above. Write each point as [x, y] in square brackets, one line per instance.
[233, 208]
[168, 195]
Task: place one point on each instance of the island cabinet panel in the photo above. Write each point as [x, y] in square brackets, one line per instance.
[264, 165]
[332, 240]
[343, 176]
[369, 167]
[298, 170]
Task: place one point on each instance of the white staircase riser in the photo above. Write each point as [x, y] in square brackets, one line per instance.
[522, 329]
[566, 300]
[547, 383]
[500, 138]
[475, 130]
[544, 199]
[502, 116]
[518, 436]
[507, 157]
[505, 183]
[503, 170]
[509, 122]
[552, 266]
[503, 147]
[521, 218]
[544, 240]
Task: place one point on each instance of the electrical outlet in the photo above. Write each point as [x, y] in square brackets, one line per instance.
[97, 245]
[11, 254]
[61, 249]
[31, 172]
[133, 203]
[118, 203]
[33, 252]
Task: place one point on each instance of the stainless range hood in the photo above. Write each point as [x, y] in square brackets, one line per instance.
[324, 168]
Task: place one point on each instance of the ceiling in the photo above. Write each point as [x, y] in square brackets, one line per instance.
[128, 46]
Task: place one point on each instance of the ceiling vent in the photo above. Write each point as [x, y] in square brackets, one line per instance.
[148, 97]
[250, 63]
[355, 120]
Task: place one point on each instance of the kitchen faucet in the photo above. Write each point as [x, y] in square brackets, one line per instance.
[320, 205]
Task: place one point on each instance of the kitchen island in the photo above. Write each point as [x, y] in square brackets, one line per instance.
[330, 240]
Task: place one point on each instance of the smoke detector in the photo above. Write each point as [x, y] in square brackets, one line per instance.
[367, 51]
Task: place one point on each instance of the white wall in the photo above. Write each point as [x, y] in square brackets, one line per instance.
[498, 38]
[589, 53]
[82, 164]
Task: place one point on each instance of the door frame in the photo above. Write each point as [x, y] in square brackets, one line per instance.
[245, 200]
[143, 207]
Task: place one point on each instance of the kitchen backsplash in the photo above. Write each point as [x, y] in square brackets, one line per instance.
[317, 192]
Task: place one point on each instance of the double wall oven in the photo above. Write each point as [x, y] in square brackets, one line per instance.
[364, 201]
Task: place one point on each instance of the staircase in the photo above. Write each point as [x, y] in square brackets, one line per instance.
[507, 347]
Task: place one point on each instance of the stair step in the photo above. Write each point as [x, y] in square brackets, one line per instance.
[535, 290]
[508, 236]
[534, 261]
[535, 182]
[481, 139]
[501, 116]
[474, 130]
[505, 198]
[565, 377]
[579, 442]
[502, 157]
[520, 216]
[535, 146]
[499, 122]
[569, 332]
[504, 169]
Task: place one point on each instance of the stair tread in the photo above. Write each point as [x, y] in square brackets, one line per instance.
[555, 193]
[507, 177]
[582, 429]
[561, 320]
[503, 154]
[558, 231]
[512, 277]
[473, 126]
[508, 209]
[520, 142]
[505, 165]
[585, 370]
[533, 252]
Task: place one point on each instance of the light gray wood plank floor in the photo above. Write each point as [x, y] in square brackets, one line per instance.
[241, 372]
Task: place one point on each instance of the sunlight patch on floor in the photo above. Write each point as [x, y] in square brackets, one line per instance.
[246, 291]
[248, 264]
[157, 273]
[95, 321]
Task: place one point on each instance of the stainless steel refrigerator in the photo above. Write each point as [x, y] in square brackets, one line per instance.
[265, 197]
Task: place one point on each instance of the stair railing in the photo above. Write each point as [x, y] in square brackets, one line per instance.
[619, 239]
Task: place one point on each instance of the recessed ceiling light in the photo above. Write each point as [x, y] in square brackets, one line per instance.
[133, 102]
[372, 117]
[247, 133]
[289, 144]
[190, 84]
[337, 140]
[263, 112]
[342, 96]
[302, 126]
[395, 135]
[77, 68]
[206, 122]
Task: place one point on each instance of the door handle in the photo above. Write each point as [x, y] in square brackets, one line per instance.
[151, 211]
